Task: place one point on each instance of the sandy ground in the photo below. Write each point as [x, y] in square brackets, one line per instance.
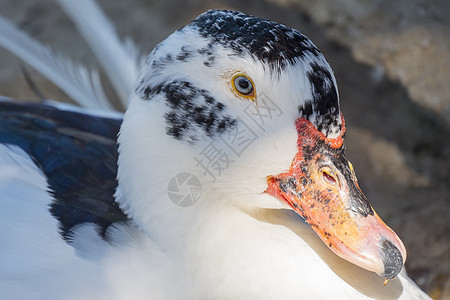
[401, 151]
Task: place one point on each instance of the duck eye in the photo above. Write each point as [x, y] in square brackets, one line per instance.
[243, 85]
[328, 178]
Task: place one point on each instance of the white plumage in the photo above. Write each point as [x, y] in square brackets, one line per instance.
[236, 241]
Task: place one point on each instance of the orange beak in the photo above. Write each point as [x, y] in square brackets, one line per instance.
[321, 187]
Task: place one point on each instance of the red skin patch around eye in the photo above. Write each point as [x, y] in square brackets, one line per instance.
[343, 219]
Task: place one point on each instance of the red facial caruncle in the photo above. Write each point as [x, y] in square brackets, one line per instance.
[321, 187]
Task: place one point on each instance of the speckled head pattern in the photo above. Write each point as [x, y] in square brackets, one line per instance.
[195, 110]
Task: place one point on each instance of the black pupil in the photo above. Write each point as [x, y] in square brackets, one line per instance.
[243, 83]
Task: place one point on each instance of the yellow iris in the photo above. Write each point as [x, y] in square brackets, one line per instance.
[243, 86]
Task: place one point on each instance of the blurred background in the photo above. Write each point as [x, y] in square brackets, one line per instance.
[392, 63]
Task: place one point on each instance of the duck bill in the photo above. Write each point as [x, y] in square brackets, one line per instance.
[321, 187]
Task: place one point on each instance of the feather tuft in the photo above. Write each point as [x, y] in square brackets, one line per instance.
[120, 60]
[82, 85]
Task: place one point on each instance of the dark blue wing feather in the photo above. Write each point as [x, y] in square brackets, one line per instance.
[77, 153]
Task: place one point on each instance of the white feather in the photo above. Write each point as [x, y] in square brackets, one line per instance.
[82, 85]
[119, 59]
[36, 263]
[223, 247]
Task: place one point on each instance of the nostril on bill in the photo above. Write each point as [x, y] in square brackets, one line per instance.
[392, 259]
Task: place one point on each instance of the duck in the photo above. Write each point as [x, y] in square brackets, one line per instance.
[225, 178]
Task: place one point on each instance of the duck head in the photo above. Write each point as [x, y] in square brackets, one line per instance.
[250, 109]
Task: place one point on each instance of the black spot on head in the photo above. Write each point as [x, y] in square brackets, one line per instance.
[158, 63]
[185, 53]
[266, 40]
[145, 92]
[306, 110]
[325, 103]
[208, 54]
[192, 110]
